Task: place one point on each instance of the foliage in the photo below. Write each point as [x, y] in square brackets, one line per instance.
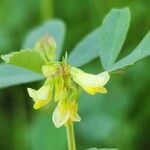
[28, 59]
[11, 75]
[105, 42]
[122, 118]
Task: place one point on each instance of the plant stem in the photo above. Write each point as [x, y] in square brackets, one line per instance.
[46, 9]
[70, 136]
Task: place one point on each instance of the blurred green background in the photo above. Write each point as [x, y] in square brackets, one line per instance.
[120, 119]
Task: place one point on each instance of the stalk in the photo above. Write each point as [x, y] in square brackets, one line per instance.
[46, 9]
[70, 136]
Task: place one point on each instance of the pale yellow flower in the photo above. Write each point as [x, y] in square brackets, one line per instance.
[64, 112]
[64, 81]
[90, 83]
[42, 96]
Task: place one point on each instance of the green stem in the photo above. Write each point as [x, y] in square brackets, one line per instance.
[46, 9]
[70, 136]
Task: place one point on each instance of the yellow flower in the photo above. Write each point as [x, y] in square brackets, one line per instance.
[42, 96]
[64, 112]
[65, 81]
[90, 83]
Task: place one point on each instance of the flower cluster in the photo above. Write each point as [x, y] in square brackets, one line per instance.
[63, 83]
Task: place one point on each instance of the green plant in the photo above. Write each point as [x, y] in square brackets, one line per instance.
[105, 42]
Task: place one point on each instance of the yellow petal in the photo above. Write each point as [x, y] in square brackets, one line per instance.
[64, 112]
[102, 90]
[44, 93]
[90, 83]
[76, 118]
[73, 111]
[32, 93]
[40, 103]
[42, 96]
[93, 90]
[59, 87]
[61, 114]
[104, 77]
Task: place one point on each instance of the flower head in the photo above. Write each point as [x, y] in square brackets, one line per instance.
[64, 81]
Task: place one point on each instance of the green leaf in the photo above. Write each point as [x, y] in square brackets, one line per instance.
[28, 59]
[140, 52]
[113, 34]
[105, 41]
[54, 28]
[11, 75]
[86, 50]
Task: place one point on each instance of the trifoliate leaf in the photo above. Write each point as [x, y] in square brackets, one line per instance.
[28, 59]
[105, 41]
[140, 52]
[86, 50]
[113, 34]
[12, 75]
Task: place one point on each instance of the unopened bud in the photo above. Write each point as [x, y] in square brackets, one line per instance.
[46, 46]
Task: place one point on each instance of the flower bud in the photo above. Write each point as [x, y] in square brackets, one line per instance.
[46, 46]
